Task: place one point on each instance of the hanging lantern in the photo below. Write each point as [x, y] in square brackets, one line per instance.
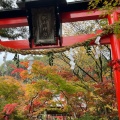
[44, 21]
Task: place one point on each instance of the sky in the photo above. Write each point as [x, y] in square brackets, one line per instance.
[10, 56]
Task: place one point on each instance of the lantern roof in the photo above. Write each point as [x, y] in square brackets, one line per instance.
[36, 3]
[39, 3]
[64, 6]
[53, 1]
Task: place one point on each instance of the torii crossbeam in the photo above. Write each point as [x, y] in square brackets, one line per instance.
[65, 16]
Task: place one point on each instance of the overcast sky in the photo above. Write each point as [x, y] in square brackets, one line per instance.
[10, 56]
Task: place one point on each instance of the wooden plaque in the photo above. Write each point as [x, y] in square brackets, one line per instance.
[44, 25]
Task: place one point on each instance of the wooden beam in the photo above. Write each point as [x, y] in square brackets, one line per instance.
[81, 15]
[65, 17]
[13, 22]
[67, 41]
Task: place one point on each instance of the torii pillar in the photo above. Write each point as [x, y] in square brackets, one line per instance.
[115, 47]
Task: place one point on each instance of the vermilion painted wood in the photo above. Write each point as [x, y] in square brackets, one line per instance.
[81, 15]
[67, 41]
[16, 44]
[65, 17]
[13, 22]
[115, 46]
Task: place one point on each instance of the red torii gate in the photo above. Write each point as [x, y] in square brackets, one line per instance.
[66, 17]
[71, 17]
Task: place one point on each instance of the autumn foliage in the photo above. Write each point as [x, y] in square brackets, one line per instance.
[55, 89]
